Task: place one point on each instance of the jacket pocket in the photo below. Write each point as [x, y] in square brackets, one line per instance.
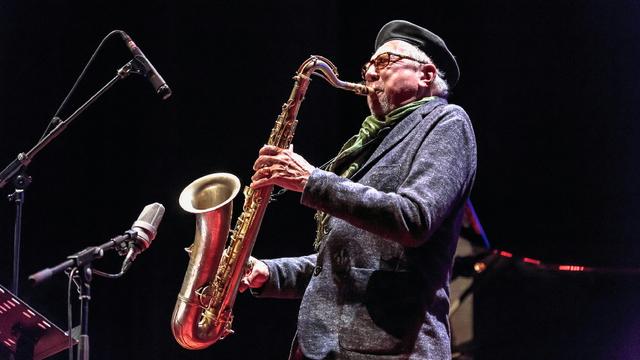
[386, 318]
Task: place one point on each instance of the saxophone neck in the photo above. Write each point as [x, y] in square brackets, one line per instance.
[324, 68]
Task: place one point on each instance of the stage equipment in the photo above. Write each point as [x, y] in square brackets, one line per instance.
[143, 230]
[146, 68]
[472, 258]
[203, 311]
[24, 333]
[146, 229]
[16, 173]
[524, 308]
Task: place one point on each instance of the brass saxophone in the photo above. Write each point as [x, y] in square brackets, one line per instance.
[203, 311]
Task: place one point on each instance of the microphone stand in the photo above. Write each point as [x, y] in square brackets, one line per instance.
[81, 261]
[16, 170]
[20, 183]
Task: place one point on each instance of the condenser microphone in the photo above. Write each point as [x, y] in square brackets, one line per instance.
[158, 83]
[146, 228]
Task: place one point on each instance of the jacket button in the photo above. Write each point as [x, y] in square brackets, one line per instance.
[317, 270]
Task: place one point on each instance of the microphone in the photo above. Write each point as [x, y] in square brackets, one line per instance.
[145, 228]
[150, 72]
[140, 236]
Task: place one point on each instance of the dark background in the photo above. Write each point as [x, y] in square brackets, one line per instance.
[551, 88]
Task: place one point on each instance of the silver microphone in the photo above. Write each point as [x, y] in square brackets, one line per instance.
[146, 228]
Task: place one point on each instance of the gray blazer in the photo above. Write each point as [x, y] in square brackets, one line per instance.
[378, 287]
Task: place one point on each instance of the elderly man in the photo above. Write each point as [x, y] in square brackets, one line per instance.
[389, 212]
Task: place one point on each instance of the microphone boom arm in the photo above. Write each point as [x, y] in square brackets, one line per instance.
[82, 258]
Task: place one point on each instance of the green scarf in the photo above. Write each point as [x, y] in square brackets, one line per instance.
[351, 150]
[371, 126]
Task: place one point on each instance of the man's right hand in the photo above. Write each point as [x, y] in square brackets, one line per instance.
[256, 275]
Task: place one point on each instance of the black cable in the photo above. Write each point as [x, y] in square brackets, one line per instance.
[72, 275]
[55, 120]
[70, 313]
[108, 275]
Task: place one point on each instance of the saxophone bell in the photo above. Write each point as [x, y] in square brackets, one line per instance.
[210, 198]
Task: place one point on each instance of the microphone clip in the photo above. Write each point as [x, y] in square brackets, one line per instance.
[138, 67]
[130, 237]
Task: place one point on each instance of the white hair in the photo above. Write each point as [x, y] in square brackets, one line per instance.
[439, 86]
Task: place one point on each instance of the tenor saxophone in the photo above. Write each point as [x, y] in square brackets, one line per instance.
[203, 310]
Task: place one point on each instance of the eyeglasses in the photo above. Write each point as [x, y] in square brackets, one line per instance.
[383, 60]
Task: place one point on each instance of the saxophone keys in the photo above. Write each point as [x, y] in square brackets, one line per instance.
[189, 249]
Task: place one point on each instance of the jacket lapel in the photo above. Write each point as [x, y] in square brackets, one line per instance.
[399, 132]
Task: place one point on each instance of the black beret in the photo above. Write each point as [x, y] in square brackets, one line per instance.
[425, 40]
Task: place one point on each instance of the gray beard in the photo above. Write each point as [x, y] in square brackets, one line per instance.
[385, 106]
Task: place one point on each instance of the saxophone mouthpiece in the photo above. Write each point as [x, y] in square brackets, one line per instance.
[362, 89]
[371, 90]
[367, 90]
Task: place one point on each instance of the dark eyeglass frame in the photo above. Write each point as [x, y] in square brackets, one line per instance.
[383, 60]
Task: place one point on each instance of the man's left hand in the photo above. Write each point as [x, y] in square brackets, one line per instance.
[281, 167]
